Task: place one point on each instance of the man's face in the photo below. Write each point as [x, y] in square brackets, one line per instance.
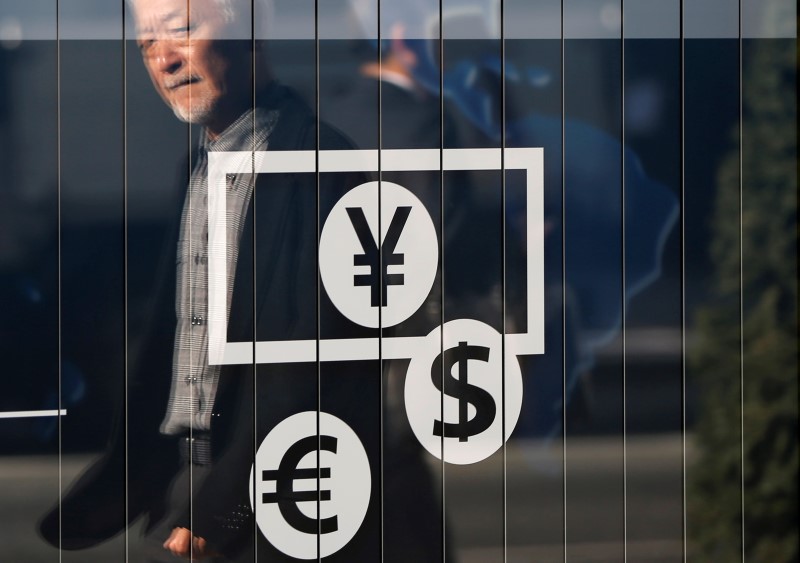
[200, 75]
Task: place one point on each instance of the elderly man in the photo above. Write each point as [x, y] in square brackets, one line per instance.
[189, 439]
[204, 75]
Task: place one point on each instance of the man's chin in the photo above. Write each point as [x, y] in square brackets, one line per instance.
[195, 115]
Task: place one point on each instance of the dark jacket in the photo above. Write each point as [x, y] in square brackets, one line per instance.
[275, 297]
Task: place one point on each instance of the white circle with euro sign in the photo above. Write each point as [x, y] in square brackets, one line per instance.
[362, 279]
[286, 491]
[454, 392]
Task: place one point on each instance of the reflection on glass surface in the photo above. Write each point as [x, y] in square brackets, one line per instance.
[189, 438]
[769, 294]
[29, 389]
[534, 469]
[594, 501]
[92, 256]
[766, 476]
[653, 406]
[709, 120]
[227, 400]
[472, 288]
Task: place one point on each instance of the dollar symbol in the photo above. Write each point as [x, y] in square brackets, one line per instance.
[285, 495]
[460, 388]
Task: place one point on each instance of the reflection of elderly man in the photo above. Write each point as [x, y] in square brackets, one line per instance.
[204, 75]
[197, 65]
[188, 469]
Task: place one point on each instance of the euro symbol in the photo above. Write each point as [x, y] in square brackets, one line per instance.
[285, 495]
[485, 409]
[370, 256]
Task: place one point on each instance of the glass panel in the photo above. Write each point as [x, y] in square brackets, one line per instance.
[157, 165]
[29, 468]
[711, 293]
[93, 270]
[233, 110]
[775, 19]
[410, 114]
[289, 428]
[159, 161]
[285, 274]
[534, 464]
[653, 367]
[593, 200]
[769, 278]
[237, 124]
[471, 358]
[711, 19]
[351, 292]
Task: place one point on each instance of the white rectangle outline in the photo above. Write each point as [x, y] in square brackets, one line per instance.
[220, 164]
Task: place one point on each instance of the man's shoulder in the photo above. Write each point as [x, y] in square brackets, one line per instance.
[297, 127]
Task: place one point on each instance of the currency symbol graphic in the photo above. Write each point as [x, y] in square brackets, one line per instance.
[463, 382]
[297, 512]
[378, 239]
[285, 495]
[485, 408]
[371, 257]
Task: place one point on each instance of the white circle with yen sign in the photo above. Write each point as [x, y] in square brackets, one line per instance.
[376, 284]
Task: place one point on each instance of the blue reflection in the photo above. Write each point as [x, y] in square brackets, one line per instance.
[593, 211]
[593, 219]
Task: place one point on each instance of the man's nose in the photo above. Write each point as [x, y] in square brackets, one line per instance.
[165, 57]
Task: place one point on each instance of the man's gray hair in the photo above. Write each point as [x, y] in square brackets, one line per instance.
[257, 8]
[263, 10]
[227, 9]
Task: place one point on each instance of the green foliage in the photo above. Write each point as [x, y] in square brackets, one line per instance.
[766, 405]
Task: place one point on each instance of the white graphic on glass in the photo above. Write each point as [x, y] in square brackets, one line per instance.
[454, 392]
[362, 278]
[347, 261]
[286, 476]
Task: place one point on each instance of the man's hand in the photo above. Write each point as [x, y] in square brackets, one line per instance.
[182, 543]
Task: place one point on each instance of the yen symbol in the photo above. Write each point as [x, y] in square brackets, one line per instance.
[378, 254]
[285, 495]
[371, 257]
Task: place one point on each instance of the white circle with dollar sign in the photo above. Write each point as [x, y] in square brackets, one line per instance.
[454, 392]
[290, 484]
[372, 284]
